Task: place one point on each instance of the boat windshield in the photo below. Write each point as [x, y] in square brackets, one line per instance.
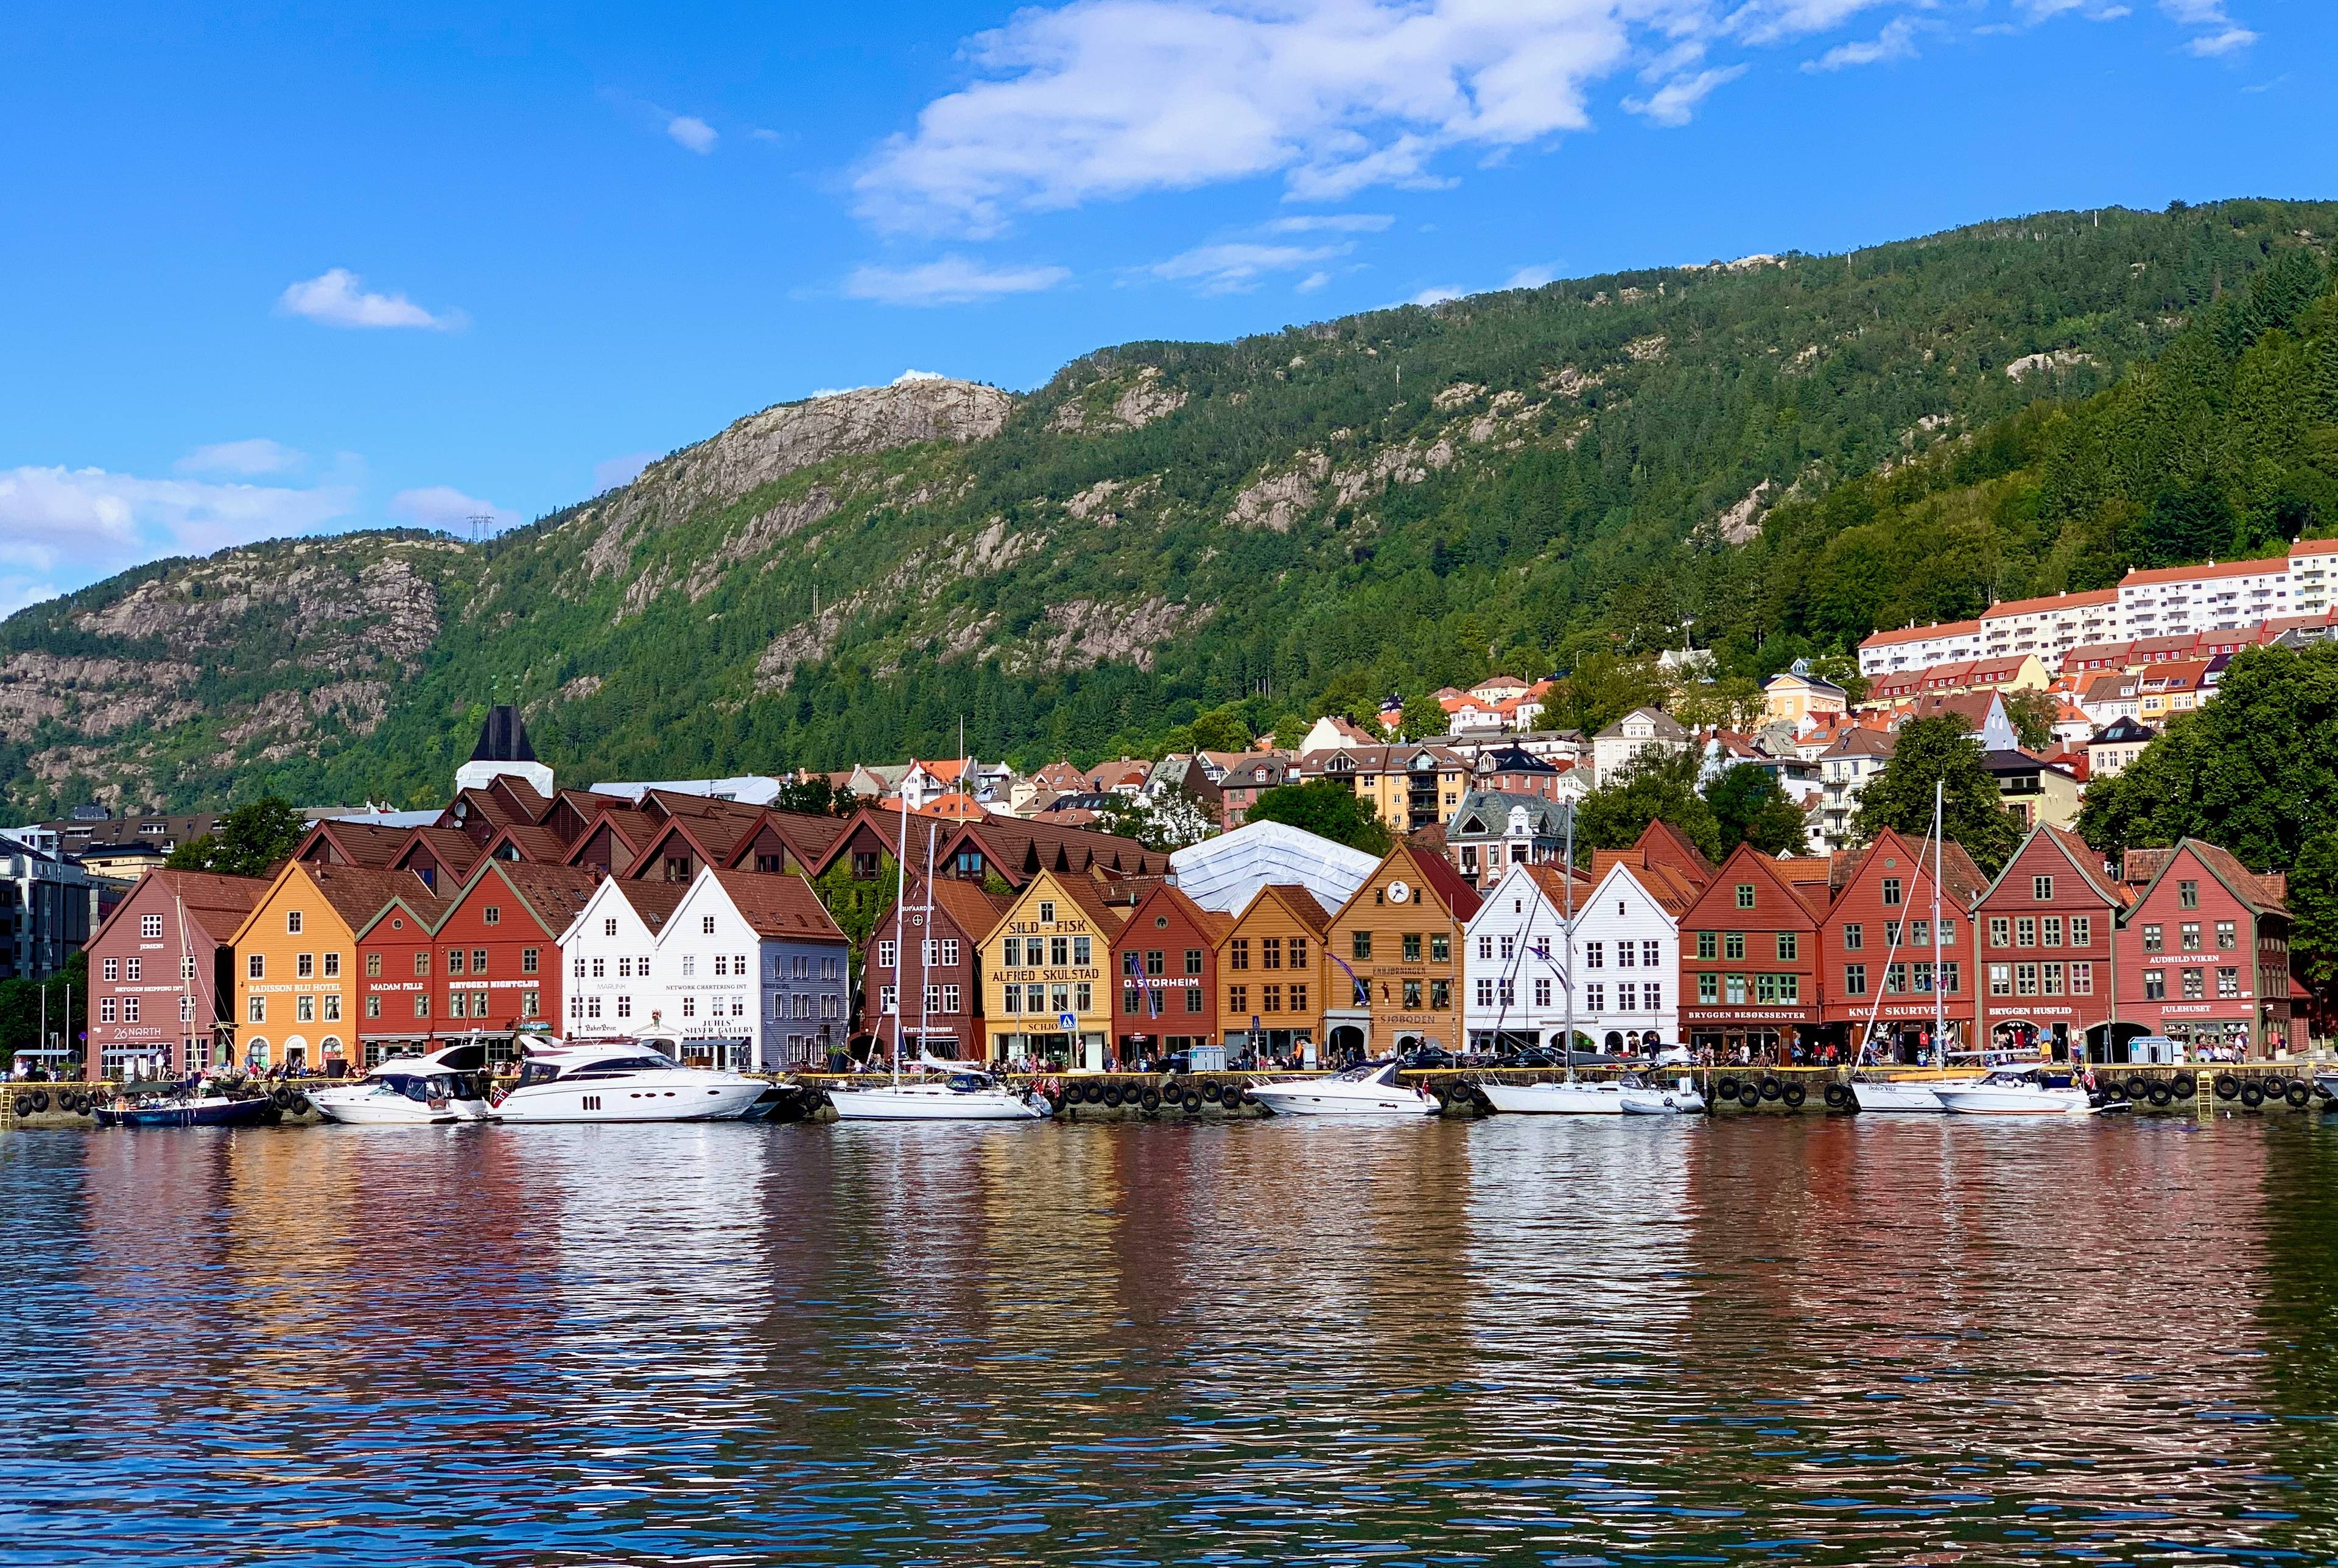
[533, 1073]
[617, 1066]
[1363, 1074]
[968, 1083]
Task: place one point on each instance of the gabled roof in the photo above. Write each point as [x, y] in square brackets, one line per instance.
[217, 905]
[553, 895]
[356, 843]
[1083, 891]
[1802, 884]
[1922, 633]
[527, 841]
[359, 893]
[2124, 730]
[970, 908]
[449, 846]
[1213, 923]
[1672, 891]
[710, 840]
[778, 906]
[1663, 724]
[1296, 900]
[655, 902]
[1962, 882]
[1664, 844]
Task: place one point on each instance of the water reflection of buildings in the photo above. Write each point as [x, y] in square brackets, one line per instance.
[2056, 1293]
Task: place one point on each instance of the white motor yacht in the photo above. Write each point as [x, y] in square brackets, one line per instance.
[1571, 1097]
[439, 1089]
[623, 1081]
[1889, 1094]
[1369, 1090]
[2018, 1091]
[950, 1091]
[1681, 1099]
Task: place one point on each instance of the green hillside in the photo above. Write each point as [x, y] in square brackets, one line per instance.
[1786, 452]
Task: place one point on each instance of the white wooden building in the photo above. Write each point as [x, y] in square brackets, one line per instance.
[1627, 955]
[1514, 968]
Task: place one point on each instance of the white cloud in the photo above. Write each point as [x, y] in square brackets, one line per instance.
[15, 592]
[1530, 277]
[1107, 98]
[611, 472]
[1238, 265]
[951, 281]
[693, 132]
[444, 506]
[1313, 281]
[85, 523]
[1437, 295]
[1896, 42]
[338, 298]
[1332, 223]
[1676, 100]
[2225, 34]
[906, 376]
[255, 456]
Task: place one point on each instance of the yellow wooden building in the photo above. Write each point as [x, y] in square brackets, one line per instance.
[1274, 977]
[1047, 979]
[1397, 943]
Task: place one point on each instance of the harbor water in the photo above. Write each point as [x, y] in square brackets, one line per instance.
[1547, 1341]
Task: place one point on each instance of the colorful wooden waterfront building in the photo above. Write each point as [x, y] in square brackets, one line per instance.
[950, 1023]
[1164, 975]
[1750, 960]
[161, 973]
[1275, 977]
[2204, 953]
[1046, 972]
[296, 973]
[1398, 944]
[2045, 930]
[1887, 973]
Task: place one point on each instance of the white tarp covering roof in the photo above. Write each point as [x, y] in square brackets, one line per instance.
[748, 788]
[1223, 873]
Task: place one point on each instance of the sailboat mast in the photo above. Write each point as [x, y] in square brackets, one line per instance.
[1939, 1000]
[901, 915]
[925, 948]
[1567, 979]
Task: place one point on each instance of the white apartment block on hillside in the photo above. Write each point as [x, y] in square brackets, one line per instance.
[2162, 602]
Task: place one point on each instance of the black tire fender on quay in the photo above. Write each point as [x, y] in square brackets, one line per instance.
[2187, 1085]
[1150, 1098]
[2274, 1086]
[2251, 1096]
[38, 1100]
[1112, 1095]
[1836, 1096]
[2114, 1088]
[1726, 1088]
[1193, 1102]
[1210, 1092]
[2161, 1094]
[2226, 1086]
[1770, 1088]
[1793, 1093]
[2299, 1095]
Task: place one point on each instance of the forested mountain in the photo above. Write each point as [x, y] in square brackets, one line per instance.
[1782, 452]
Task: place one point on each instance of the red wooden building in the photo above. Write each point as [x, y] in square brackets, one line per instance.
[489, 966]
[1750, 979]
[1165, 981]
[161, 973]
[1886, 971]
[2204, 953]
[2044, 933]
[950, 1023]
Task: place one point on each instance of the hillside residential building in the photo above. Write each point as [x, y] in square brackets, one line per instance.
[1794, 695]
[2044, 932]
[1749, 972]
[1165, 967]
[2034, 790]
[1856, 756]
[1276, 980]
[950, 1023]
[2116, 746]
[1046, 972]
[1515, 961]
[1492, 830]
[2204, 953]
[2148, 604]
[1398, 944]
[297, 985]
[1885, 969]
[1409, 787]
[161, 974]
[1249, 776]
[1642, 730]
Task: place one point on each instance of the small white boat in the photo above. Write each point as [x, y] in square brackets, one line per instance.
[623, 1081]
[1918, 1094]
[2018, 1091]
[1655, 1100]
[1370, 1090]
[959, 1094]
[1570, 1097]
[439, 1089]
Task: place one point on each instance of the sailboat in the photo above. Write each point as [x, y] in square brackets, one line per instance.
[1872, 1094]
[946, 1090]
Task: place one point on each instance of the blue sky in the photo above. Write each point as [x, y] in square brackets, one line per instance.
[275, 268]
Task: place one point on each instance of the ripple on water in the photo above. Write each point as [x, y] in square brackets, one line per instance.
[1518, 1340]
